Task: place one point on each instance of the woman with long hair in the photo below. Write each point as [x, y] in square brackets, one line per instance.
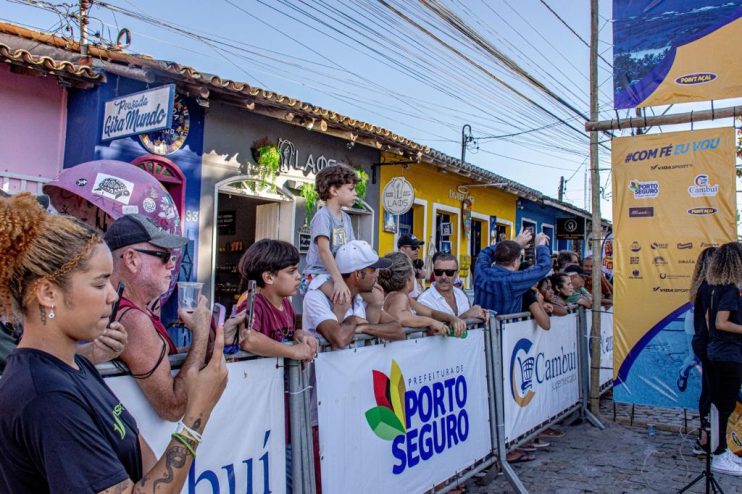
[725, 346]
[61, 427]
[700, 294]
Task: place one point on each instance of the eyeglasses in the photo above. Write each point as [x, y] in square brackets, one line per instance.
[165, 256]
[449, 272]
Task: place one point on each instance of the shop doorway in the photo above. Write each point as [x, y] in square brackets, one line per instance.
[244, 216]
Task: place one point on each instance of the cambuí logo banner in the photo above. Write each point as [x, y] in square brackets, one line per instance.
[138, 113]
[674, 51]
[696, 207]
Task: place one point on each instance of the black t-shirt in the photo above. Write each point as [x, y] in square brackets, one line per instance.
[529, 298]
[725, 346]
[62, 429]
[700, 306]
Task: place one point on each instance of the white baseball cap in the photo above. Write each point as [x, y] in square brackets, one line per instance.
[356, 255]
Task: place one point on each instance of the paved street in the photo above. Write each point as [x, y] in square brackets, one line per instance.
[621, 459]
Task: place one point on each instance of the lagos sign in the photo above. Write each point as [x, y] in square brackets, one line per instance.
[398, 196]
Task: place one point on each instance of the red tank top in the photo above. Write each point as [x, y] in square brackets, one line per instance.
[126, 304]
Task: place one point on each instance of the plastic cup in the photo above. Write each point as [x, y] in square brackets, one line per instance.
[188, 295]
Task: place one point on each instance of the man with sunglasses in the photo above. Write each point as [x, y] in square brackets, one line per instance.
[143, 259]
[410, 245]
[444, 296]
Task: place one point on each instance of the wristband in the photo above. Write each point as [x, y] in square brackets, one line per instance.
[186, 431]
[184, 442]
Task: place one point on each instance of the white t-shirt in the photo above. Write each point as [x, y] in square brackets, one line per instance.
[317, 308]
[433, 299]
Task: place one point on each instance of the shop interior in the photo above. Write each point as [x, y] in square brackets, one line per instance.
[241, 220]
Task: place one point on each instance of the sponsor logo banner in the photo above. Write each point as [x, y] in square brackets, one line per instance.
[540, 372]
[644, 190]
[675, 51]
[412, 412]
[696, 208]
[244, 447]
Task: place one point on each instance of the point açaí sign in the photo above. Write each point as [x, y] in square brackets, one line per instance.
[420, 423]
[138, 113]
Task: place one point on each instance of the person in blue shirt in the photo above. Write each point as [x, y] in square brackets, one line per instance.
[500, 287]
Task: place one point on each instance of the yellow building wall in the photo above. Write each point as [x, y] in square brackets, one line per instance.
[438, 189]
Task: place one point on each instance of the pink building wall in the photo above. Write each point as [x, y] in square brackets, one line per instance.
[33, 119]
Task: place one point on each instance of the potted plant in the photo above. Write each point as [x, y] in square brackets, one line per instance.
[268, 159]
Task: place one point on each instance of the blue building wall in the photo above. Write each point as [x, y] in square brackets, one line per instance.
[544, 217]
[83, 143]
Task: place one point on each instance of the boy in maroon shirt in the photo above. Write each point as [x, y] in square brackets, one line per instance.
[274, 266]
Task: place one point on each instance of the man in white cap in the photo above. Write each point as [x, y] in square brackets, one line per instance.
[358, 264]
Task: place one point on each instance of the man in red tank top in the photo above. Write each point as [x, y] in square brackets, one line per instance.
[143, 259]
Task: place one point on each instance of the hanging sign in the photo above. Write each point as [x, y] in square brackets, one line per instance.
[675, 51]
[138, 113]
[466, 216]
[398, 196]
[570, 228]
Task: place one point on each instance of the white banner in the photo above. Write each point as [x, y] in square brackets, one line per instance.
[244, 447]
[402, 417]
[540, 372]
[138, 113]
[606, 343]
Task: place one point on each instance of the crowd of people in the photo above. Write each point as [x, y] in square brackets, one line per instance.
[57, 278]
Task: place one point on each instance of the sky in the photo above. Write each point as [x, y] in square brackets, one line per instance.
[397, 64]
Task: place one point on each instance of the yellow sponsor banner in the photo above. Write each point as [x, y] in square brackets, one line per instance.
[708, 68]
[673, 195]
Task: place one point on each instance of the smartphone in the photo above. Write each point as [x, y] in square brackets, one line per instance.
[114, 311]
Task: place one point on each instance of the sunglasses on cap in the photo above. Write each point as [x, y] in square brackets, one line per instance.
[164, 256]
[449, 272]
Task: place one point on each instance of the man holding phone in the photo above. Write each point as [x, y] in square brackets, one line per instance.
[143, 259]
[500, 287]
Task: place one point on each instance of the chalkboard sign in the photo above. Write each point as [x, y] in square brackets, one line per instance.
[305, 239]
[226, 222]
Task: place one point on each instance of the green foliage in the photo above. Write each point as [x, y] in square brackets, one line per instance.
[310, 195]
[269, 160]
[361, 184]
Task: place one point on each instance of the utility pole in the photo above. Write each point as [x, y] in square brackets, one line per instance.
[84, 10]
[465, 139]
[562, 186]
[596, 231]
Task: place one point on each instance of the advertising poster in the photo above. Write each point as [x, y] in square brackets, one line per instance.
[540, 372]
[244, 448]
[675, 51]
[402, 417]
[673, 196]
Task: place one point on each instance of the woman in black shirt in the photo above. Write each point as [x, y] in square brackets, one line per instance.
[725, 346]
[61, 427]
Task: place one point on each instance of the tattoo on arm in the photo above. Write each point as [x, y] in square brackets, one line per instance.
[175, 457]
[196, 424]
[118, 488]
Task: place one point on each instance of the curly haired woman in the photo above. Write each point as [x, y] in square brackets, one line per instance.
[61, 427]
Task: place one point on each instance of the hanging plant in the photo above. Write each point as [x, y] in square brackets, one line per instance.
[310, 195]
[268, 159]
[361, 185]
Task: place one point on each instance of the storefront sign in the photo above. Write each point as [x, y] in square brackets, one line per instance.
[458, 196]
[138, 113]
[413, 413]
[570, 228]
[466, 216]
[305, 240]
[290, 159]
[226, 222]
[398, 196]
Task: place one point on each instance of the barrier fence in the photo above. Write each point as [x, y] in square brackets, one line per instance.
[418, 415]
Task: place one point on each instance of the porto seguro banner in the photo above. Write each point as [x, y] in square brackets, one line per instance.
[673, 196]
[244, 448]
[540, 372]
[404, 416]
[675, 51]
